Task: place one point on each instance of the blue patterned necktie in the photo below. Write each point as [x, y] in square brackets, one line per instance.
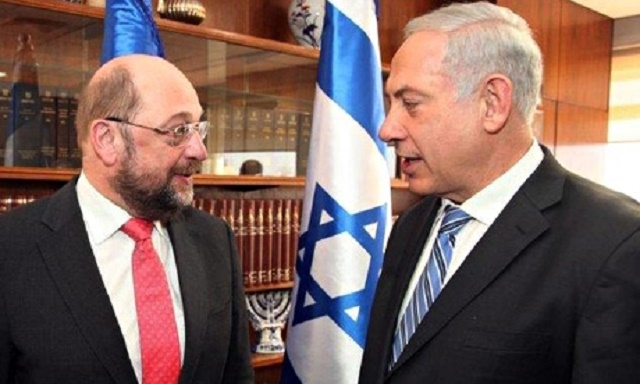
[432, 278]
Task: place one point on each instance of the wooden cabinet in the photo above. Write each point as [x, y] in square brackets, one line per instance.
[576, 47]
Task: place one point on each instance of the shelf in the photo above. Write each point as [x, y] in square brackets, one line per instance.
[174, 26]
[63, 175]
[266, 359]
[269, 287]
[43, 174]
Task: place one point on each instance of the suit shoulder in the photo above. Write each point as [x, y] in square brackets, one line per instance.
[197, 217]
[601, 201]
[23, 218]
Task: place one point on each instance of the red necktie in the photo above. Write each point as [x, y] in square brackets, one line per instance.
[156, 322]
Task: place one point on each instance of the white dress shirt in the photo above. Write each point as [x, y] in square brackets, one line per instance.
[484, 207]
[113, 251]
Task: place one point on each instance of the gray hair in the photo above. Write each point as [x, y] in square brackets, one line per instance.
[485, 39]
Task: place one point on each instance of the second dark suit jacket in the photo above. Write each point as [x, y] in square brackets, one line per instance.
[57, 324]
[550, 294]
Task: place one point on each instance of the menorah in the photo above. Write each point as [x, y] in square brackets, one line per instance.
[268, 313]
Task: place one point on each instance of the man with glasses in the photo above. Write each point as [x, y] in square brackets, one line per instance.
[116, 278]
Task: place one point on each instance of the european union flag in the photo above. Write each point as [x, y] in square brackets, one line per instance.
[129, 28]
[346, 215]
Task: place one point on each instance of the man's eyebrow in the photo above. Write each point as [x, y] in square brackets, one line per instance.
[404, 90]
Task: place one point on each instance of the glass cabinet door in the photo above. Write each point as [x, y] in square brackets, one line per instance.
[259, 101]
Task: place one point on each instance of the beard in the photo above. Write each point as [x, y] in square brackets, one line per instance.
[152, 196]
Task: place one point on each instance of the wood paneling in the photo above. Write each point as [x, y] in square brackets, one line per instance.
[226, 15]
[267, 368]
[576, 48]
[546, 130]
[269, 19]
[543, 17]
[580, 124]
[394, 15]
[585, 57]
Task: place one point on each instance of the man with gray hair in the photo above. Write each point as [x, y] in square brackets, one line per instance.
[511, 269]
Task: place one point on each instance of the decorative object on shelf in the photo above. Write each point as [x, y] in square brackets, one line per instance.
[186, 11]
[97, 3]
[306, 18]
[27, 140]
[268, 313]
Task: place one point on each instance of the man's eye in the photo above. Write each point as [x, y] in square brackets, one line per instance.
[409, 104]
[181, 130]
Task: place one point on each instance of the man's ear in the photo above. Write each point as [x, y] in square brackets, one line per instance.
[496, 99]
[103, 141]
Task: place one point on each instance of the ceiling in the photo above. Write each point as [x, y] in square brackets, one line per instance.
[615, 9]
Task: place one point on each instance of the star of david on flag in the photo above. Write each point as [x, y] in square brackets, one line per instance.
[346, 211]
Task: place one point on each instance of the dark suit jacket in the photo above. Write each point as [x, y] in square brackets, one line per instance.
[550, 294]
[57, 324]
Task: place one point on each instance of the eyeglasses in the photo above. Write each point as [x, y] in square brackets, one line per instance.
[179, 135]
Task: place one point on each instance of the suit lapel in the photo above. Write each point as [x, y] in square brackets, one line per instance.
[520, 223]
[68, 255]
[194, 290]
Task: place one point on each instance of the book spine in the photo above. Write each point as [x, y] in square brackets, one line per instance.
[24, 137]
[5, 117]
[280, 131]
[75, 157]
[277, 241]
[225, 127]
[304, 140]
[267, 240]
[266, 131]
[62, 128]
[292, 131]
[286, 241]
[253, 129]
[238, 129]
[249, 230]
[296, 213]
[48, 127]
[261, 251]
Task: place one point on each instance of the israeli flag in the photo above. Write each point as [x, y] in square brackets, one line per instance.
[346, 214]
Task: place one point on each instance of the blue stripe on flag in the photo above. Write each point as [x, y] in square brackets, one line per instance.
[349, 73]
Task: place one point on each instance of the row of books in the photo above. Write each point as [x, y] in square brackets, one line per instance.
[37, 126]
[255, 129]
[266, 231]
[241, 129]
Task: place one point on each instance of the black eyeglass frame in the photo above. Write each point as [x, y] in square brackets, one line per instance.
[179, 134]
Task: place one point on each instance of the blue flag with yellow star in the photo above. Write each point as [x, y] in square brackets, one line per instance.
[346, 211]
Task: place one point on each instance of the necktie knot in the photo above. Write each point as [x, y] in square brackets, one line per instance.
[138, 229]
[454, 219]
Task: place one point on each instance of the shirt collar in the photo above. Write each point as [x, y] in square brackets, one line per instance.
[486, 205]
[101, 216]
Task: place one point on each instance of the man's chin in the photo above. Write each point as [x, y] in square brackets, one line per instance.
[184, 196]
